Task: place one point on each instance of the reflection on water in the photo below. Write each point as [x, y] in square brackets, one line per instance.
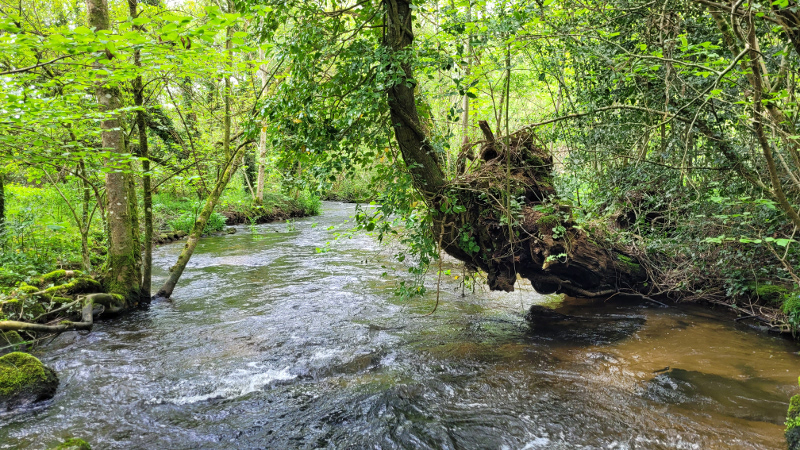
[269, 344]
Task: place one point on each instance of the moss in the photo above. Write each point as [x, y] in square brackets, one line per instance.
[73, 444]
[54, 276]
[633, 267]
[772, 292]
[24, 379]
[27, 288]
[548, 221]
[76, 286]
[60, 300]
[10, 337]
[11, 306]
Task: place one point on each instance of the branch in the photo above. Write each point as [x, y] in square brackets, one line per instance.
[35, 66]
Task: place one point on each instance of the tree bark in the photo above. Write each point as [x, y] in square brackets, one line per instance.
[2, 203]
[418, 153]
[124, 269]
[262, 141]
[176, 271]
[144, 153]
[86, 220]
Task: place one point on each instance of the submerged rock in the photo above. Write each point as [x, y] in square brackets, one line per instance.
[24, 380]
[73, 444]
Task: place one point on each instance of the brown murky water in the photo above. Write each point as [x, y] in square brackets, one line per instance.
[269, 344]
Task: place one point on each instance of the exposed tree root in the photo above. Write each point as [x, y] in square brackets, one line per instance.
[111, 303]
[503, 217]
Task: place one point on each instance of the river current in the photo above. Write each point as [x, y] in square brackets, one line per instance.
[269, 343]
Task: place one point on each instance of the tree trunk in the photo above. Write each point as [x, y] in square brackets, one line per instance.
[124, 275]
[535, 238]
[262, 141]
[144, 152]
[415, 146]
[211, 202]
[86, 220]
[197, 231]
[2, 204]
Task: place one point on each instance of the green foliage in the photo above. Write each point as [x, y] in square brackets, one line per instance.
[38, 234]
[186, 221]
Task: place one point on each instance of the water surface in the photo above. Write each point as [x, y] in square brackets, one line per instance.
[270, 344]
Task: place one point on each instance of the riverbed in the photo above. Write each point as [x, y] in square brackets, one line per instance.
[269, 342]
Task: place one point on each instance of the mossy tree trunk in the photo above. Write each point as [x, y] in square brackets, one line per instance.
[473, 217]
[124, 270]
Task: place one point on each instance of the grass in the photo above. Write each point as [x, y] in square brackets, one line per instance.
[40, 233]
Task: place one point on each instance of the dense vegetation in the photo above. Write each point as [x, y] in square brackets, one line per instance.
[657, 151]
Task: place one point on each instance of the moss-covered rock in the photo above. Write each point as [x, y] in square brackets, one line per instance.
[23, 380]
[73, 444]
[10, 338]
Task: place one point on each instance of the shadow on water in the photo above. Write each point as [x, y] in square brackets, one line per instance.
[750, 398]
[271, 344]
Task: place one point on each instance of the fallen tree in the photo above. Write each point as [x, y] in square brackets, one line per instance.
[510, 222]
[503, 215]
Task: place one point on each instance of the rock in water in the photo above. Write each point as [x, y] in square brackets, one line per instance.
[24, 380]
[73, 444]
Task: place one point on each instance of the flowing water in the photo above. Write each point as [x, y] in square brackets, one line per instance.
[270, 344]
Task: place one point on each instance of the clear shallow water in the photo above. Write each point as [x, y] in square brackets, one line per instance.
[269, 344]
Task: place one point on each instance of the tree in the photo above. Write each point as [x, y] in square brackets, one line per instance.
[124, 267]
[471, 217]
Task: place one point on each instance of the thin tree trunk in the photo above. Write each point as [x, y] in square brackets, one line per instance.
[124, 275]
[2, 203]
[211, 202]
[85, 224]
[197, 231]
[144, 152]
[262, 142]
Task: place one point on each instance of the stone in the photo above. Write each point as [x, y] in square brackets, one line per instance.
[24, 380]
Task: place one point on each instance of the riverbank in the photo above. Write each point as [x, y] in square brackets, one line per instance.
[40, 234]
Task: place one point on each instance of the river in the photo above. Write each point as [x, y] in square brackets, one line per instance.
[269, 343]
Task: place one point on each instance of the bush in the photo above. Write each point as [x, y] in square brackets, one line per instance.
[185, 223]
